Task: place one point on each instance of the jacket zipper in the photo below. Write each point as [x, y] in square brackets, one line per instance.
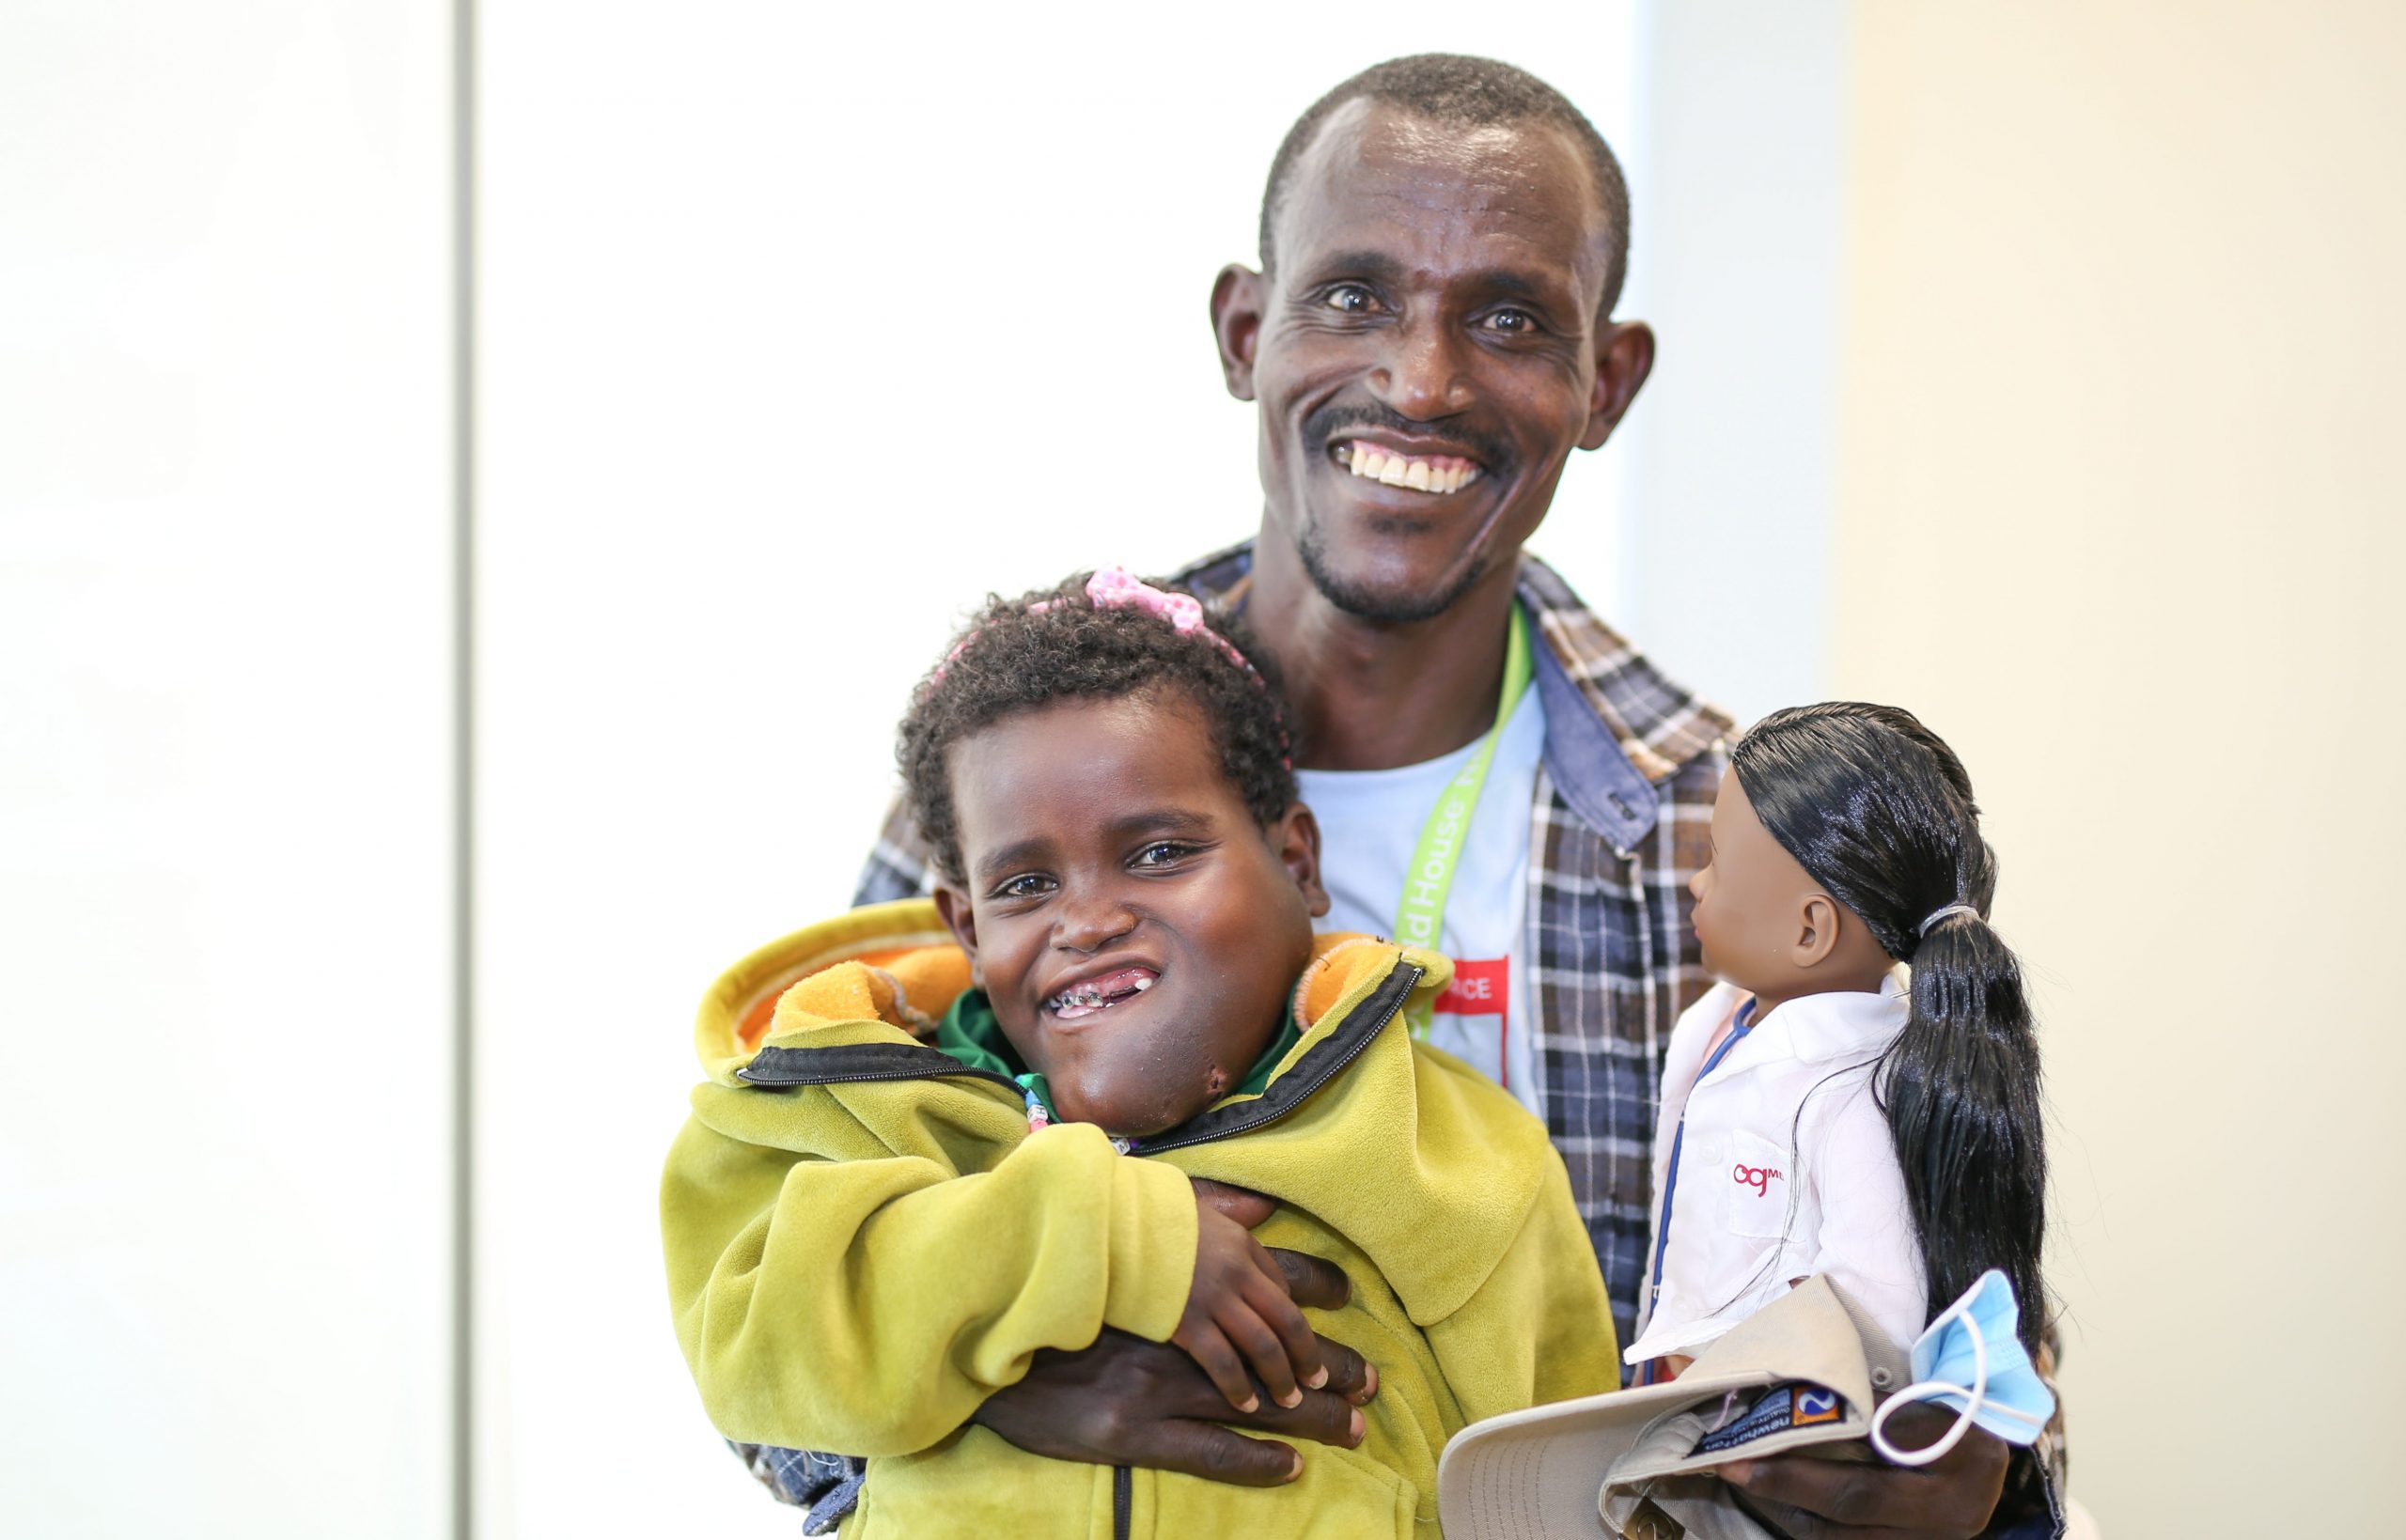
[963, 1073]
[1123, 1485]
[951, 1069]
[1410, 975]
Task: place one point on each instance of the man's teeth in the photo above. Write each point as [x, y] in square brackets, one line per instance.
[1431, 473]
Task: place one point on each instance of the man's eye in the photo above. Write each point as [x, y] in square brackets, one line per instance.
[1512, 323]
[1351, 298]
[1162, 852]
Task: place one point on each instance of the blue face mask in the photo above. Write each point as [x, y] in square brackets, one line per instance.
[1971, 1360]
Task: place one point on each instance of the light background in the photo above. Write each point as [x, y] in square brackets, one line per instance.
[224, 738]
[2026, 365]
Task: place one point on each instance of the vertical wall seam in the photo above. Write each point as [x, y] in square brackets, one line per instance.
[463, 752]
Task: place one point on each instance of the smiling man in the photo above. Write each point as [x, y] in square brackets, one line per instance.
[1428, 339]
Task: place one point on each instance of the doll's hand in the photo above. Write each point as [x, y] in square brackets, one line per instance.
[1952, 1497]
[1239, 1313]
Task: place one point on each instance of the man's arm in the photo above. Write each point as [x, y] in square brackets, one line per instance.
[1124, 1401]
[1983, 1486]
[898, 864]
[823, 1487]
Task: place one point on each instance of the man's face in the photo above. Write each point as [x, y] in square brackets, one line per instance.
[1426, 352]
[1135, 930]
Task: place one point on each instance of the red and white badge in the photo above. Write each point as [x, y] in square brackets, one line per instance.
[1479, 988]
[1471, 1016]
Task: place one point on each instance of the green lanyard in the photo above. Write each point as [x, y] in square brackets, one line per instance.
[1420, 917]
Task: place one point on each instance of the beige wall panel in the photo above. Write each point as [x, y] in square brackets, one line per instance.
[2119, 515]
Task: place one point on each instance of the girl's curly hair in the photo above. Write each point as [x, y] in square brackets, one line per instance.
[1015, 658]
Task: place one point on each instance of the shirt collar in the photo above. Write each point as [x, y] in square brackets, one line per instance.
[1658, 725]
[1616, 728]
[1839, 1024]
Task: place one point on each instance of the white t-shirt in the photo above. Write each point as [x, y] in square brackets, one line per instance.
[1370, 826]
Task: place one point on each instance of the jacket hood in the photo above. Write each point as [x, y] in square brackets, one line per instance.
[907, 956]
[854, 979]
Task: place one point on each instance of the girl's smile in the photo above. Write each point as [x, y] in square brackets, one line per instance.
[1091, 996]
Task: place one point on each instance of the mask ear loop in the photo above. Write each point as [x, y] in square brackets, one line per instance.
[1974, 1396]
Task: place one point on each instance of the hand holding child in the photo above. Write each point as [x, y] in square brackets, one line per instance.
[1126, 1401]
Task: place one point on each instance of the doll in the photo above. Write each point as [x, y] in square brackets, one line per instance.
[1820, 1114]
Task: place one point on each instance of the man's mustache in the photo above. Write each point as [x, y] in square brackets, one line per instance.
[1333, 421]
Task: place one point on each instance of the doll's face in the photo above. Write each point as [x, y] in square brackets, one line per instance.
[1746, 895]
[1762, 922]
[1135, 928]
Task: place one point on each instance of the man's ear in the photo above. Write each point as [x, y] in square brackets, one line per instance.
[1624, 357]
[1237, 297]
[1296, 838]
[1817, 930]
[952, 908]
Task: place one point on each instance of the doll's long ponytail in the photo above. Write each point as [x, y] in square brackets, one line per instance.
[1880, 812]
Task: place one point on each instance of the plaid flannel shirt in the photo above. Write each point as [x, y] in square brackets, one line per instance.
[1620, 821]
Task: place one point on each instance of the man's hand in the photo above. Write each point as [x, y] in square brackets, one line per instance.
[1952, 1497]
[1126, 1401]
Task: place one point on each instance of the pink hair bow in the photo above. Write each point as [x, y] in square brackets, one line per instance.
[1116, 588]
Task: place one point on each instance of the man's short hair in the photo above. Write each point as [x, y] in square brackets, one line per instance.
[1464, 92]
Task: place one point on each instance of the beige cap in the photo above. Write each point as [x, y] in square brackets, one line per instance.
[1802, 1372]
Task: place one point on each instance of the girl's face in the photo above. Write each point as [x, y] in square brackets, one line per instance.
[1137, 931]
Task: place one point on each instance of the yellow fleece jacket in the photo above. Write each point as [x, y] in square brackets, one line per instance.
[863, 1241]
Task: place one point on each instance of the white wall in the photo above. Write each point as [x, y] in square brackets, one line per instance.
[223, 883]
[1725, 566]
[2121, 520]
[799, 336]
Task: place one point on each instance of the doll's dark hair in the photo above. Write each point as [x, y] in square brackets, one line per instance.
[1880, 812]
[1055, 645]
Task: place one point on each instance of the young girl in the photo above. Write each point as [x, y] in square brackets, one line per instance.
[940, 1136]
[1818, 1116]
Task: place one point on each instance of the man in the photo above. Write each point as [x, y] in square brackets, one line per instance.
[1428, 339]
